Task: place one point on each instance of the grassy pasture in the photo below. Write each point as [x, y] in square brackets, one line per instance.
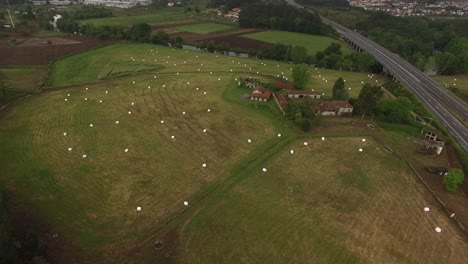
[23, 78]
[327, 203]
[88, 67]
[165, 16]
[203, 28]
[93, 200]
[312, 43]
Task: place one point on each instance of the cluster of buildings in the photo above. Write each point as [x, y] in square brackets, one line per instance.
[414, 8]
[320, 107]
[232, 14]
[108, 3]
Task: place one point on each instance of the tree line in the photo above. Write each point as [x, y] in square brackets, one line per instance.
[418, 39]
[282, 17]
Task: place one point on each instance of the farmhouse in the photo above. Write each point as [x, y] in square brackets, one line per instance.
[332, 108]
[302, 94]
[260, 94]
[250, 82]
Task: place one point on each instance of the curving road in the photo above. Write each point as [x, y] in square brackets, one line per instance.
[436, 98]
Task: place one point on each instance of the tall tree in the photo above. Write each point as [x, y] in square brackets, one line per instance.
[298, 54]
[140, 32]
[339, 90]
[363, 61]
[395, 110]
[333, 48]
[301, 76]
[368, 97]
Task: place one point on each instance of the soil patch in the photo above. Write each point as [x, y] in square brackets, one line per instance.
[165, 248]
[38, 51]
[54, 247]
[241, 42]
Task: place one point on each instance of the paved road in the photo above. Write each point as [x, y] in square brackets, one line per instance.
[431, 94]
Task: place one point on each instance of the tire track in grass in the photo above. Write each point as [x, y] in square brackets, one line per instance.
[246, 167]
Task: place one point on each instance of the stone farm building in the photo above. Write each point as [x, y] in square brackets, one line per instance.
[302, 94]
[333, 108]
[250, 82]
[260, 94]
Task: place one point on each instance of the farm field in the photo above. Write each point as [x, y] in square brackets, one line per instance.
[99, 62]
[312, 43]
[158, 18]
[88, 199]
[177, 110]
[368, 208]
[23, 78]
[203, 28]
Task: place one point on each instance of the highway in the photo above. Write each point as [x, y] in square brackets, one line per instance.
[436, 98]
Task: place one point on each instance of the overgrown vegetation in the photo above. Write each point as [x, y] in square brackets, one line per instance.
[453, 179]
[416, 39]
[282, 17]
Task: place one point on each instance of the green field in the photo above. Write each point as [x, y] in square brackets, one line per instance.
[326, 202]
[312, 43]
[204, 28]
[309, 207]
[98, 63]
[158, 18]
[23, 78]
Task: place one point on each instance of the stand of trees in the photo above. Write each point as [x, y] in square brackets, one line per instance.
[454, 59]
[87, 12]
[340, 92]
[417, 39]
[282, 17]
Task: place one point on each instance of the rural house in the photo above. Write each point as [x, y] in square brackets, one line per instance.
[302, 94]
[260, 94]
[332, 108]
[250, 82]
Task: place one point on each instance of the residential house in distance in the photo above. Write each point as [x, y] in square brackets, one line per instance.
[249, 82]
[333, 108]
[302, 94]
[233, 14]
[117, 3]
[260, 94]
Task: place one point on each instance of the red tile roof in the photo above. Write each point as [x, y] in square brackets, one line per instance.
[302, 92]
[282, 100]
[261, 93]
[284, 85]
[330, 105]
